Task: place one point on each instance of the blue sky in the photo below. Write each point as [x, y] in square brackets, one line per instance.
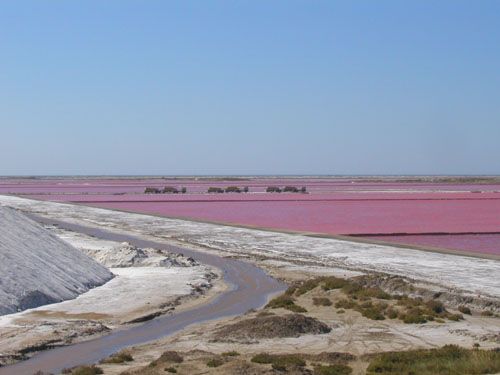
[249, 87]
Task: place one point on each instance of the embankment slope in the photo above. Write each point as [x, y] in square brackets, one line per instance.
[37, 268]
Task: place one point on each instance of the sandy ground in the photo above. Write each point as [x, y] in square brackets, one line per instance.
[462, 280]
[351, 333]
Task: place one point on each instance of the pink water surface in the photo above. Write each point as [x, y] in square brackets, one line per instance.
[334, 206]
[352, 217]
[482, 243]
[337, 217]
[255, 197]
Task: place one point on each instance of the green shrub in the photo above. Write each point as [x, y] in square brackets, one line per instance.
[332, 370]
[455, 317]
[322, 301]
[296, 309]
[487, 313]
[291, 290]
[345, 304]
[230, 354]
[435, 306]
[168, 356]
[285, 302]
[447, 360]
[372, 313]
[334, 283]
[171, 370]
[215, 362]
[352, 289]
[413, 316]
[367, 304]
[281, 301]
[307, 286]
[464, 310]
[118, 358]
[409, 302]
[87, 370]
[262, 358]
[289, 360]
[280, 362]
[278, 367]
[392, 313]
[372, 293]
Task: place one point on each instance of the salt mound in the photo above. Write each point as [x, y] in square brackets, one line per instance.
[38, 268]
[128, 255]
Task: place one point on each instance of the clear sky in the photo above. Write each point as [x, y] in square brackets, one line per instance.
[249, 87]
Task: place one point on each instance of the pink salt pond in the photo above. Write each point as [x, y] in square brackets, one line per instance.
[333, 206]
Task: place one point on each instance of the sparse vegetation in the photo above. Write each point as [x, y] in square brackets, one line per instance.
[334, 283]
[332, 370]
[487, 313]
[84, 370]
[321, 301]
[304, 287]
[168, 356]
[280, 362]
[262, 358]
[285, 302]
[215, 362]
[373, 312]
[450, 359]
[455, 317]
[464, 310]
[230, 354]
[171, 370]
[118, 358]
[345, 304]
[362, 299]
[391, 313]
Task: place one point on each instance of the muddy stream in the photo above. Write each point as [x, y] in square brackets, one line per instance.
[251, 287]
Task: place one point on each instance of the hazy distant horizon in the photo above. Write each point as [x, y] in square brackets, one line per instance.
[251, 175]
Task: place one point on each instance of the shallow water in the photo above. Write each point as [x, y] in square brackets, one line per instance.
[251, 288]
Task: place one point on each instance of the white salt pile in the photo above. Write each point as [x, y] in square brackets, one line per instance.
[37, 268]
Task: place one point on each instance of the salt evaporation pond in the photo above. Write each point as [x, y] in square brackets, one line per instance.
[347, 214]
[334, 206]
